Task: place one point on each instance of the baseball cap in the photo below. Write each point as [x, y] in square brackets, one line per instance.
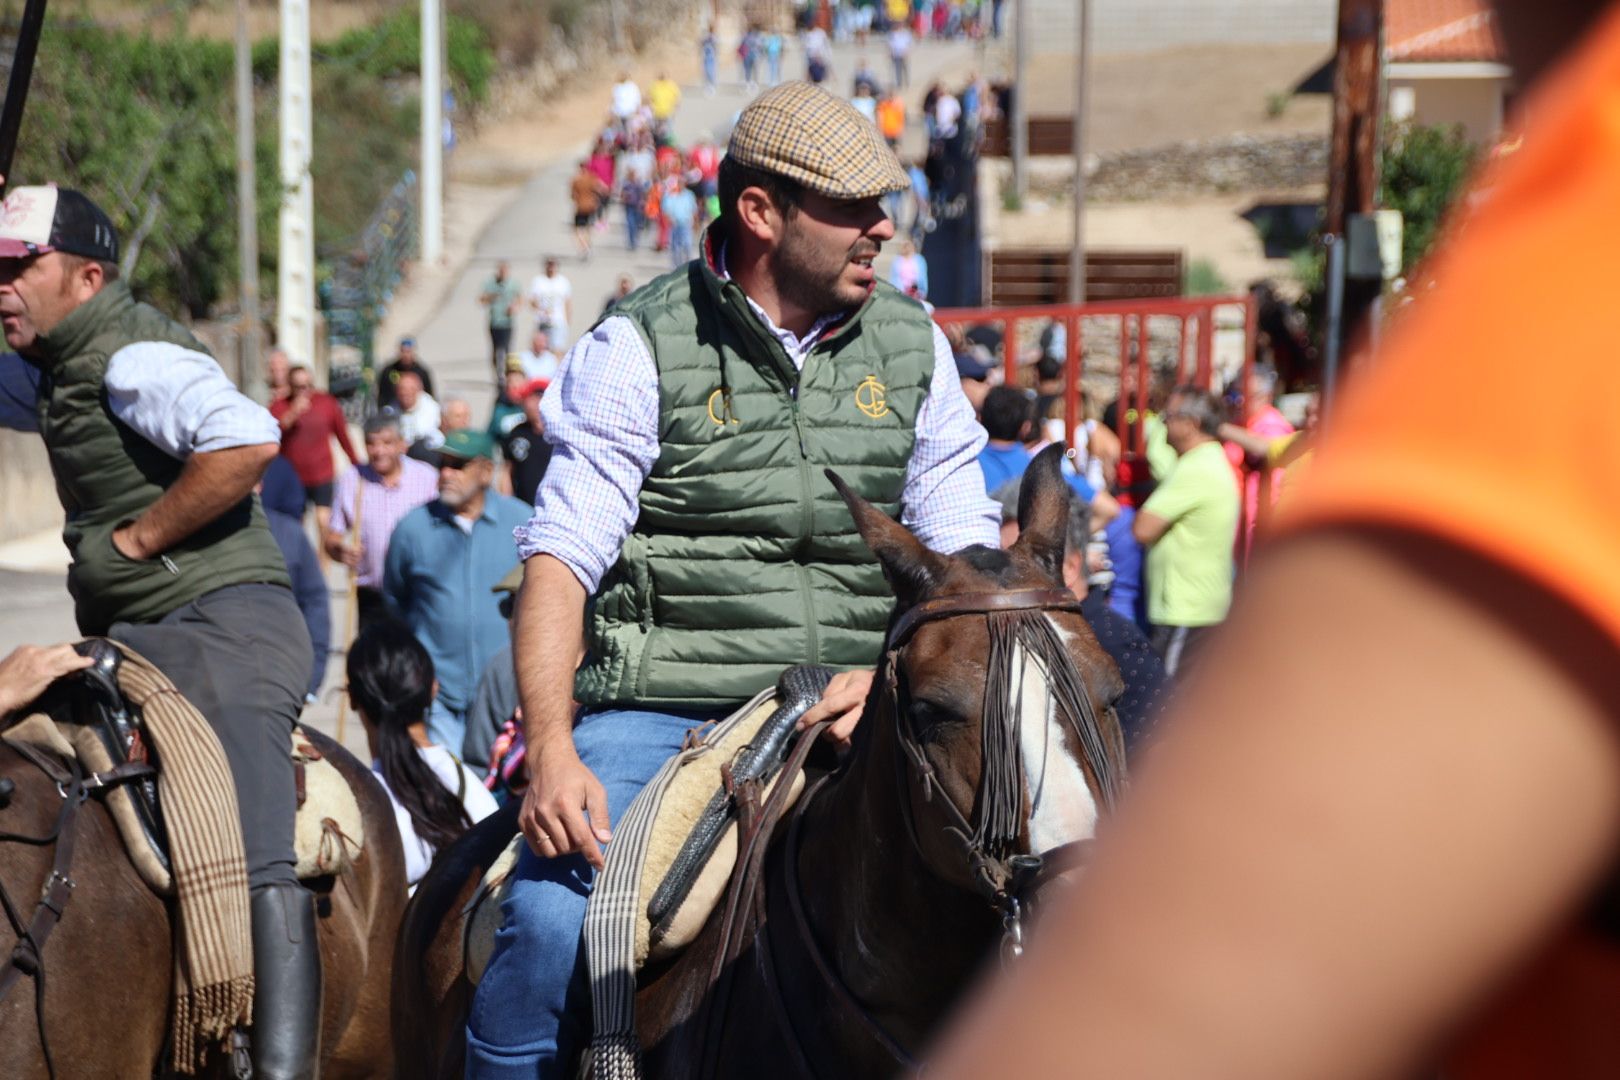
[37, 219]
[467, 444]
[816, 138]
[969, 366]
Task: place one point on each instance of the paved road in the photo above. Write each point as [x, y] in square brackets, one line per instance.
[539, 222]
[34, 607]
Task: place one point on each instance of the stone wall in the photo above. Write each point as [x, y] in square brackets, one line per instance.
[1236, 163]
[27, 494]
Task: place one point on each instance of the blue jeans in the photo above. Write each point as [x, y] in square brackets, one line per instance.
[634, 221]
[531, 1014]
[447, 726]
[680, 245]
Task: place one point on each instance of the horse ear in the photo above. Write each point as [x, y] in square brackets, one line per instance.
[911, 568]
[1043, 511]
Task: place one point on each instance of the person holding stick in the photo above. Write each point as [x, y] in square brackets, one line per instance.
[389, 486]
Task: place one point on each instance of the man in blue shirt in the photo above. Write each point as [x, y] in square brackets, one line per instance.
[443, 560]
[1005, 415]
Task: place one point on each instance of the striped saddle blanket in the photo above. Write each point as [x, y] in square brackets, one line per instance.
[675, 846]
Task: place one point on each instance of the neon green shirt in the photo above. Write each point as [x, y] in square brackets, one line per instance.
[1161, 455]
[1189, 570]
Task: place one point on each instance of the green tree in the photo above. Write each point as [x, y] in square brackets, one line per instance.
[1424, 170]
[144, 125]
[137, 124]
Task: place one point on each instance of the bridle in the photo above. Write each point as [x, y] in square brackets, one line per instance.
[1006, 878]
[988, 845]
[74, 786]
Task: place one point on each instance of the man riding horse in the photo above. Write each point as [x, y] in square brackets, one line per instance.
[155, 455]
[685, 509]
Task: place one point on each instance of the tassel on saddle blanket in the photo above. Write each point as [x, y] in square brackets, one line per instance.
[202, 867]
[213, 956]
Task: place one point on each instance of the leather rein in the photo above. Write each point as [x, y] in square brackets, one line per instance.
[1007, 880]
[28, 955]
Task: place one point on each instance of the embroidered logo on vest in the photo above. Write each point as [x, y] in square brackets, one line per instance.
[871, 399]
[720, 407]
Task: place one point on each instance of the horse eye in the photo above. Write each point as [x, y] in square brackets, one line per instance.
[927, 714]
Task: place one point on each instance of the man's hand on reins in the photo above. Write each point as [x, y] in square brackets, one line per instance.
[842, 703]
[29, 669]
[565, 808]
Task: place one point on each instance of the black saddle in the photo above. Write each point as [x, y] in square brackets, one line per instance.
[92, 699]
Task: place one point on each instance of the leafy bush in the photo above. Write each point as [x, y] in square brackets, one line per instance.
[1424, 170]
[143, 127]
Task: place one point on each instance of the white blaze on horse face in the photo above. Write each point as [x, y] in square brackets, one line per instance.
[1061, 806]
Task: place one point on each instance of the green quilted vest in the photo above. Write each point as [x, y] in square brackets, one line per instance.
[106, 475]
[743, 559]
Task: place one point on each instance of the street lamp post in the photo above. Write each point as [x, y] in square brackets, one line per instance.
[432, 175]
[295, 260]
[1077, 252]
[247, 208]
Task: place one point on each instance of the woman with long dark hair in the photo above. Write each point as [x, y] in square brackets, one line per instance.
[436, 798]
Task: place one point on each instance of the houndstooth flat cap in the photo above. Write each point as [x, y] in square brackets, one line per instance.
[811, 135]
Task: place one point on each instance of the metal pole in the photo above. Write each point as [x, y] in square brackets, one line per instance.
[247, 210]
[432, 233]
[295, 261]
[1020, 103]
[1335, 317]
[22, 72]
[1077, 253]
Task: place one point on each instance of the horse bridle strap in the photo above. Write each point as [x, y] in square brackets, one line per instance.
[28, 955]
[982, 603]
[1003, 879]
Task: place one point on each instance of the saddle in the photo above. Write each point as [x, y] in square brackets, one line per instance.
[88, 719]
[676, 845]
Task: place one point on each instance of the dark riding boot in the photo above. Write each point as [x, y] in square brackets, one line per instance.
[287, 984]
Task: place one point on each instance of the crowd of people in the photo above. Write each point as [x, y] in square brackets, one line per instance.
[1292, 885]
[1155, 535]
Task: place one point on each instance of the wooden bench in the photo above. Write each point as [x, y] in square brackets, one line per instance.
[1019, 277]
[1049, 136]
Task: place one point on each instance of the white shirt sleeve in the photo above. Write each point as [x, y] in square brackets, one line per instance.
[180, 401]
[19, 393]
[601, 419]
[944, 501]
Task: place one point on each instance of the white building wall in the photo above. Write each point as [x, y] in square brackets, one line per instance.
[1476, 104]
[1120, 26]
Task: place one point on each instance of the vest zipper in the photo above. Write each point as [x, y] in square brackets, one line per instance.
[806, 522]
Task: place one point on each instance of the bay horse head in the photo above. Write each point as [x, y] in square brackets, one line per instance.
[998, 697]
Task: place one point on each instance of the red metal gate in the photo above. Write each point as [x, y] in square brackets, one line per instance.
[1130, 334]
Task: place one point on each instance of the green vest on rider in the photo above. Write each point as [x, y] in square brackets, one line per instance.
[106, 476]
[743, 559]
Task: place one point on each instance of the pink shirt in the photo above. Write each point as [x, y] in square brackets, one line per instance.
[1270, 424]
[380, 509]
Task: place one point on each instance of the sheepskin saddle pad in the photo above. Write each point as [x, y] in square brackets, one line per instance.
[329, 830]
[680, 833]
